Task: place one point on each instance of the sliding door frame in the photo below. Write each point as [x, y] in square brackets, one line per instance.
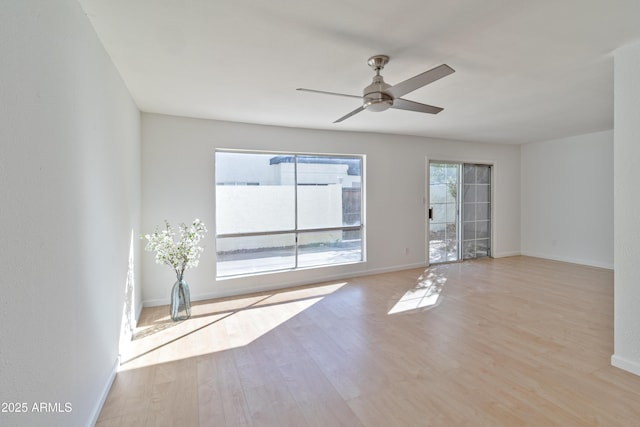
[426, 199]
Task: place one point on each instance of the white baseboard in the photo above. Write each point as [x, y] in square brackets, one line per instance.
[390, 269]
[138, 312]
[105, 392]
[590, 263]
[341, 276]
[284, 284]
[505, 254]
[625, 364]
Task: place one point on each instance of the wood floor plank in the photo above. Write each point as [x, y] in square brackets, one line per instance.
[516, 341]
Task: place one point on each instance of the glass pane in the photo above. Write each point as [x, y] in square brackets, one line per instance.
[483, 174]
[329, 191]
[469, 231]
[469, 194]
[351, 206]
[253, 193]
[328, 247]
[451, 231]
[319, 206]
[438, 193]
[252, 254]
[437, 174]
[482, 247]
[469, 174]
[251, 169]
[437, 252]
[469, 249]
[452, 192]
[451, 242]
[436, 232]
[452, 211]
[482, 229]
[452, 173]
[483, 193]
[483, 211]
[469, 212]
[439, 212]
[451, 249]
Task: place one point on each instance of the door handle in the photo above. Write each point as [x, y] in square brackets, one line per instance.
[431, 214]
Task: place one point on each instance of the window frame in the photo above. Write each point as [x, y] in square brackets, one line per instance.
[296, 231]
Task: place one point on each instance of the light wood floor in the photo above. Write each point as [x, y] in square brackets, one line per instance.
[509, 342]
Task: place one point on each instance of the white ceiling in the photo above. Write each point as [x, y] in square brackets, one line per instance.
[525, 70]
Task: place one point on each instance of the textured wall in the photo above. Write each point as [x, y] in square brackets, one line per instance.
[69, 201]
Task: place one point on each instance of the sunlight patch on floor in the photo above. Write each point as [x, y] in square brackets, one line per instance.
[217, 325]
[425, 294]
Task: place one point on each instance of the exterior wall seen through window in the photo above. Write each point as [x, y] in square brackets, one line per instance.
[279, 212]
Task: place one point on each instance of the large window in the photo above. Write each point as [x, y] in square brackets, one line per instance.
[287, 211]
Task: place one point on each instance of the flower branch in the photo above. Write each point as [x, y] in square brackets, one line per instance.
[180, 255]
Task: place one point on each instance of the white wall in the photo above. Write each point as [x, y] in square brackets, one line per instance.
[567, 199]
[178, 185]
[627, 209]
[69, 200]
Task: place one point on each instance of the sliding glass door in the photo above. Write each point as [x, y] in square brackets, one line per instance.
[476, 211]
[444, 212]
[459, 213]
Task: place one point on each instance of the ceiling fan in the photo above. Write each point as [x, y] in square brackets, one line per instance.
[379, 96]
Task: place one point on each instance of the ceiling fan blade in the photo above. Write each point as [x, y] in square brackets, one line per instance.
[404, 104]
[328, 93]
[354, 112]
[416, 82]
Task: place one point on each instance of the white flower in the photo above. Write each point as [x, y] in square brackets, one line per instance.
[180, 255]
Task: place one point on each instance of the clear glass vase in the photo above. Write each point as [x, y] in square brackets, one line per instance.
[180, 300]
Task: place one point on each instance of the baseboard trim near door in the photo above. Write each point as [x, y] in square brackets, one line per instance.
[105, 392]
[625, 364]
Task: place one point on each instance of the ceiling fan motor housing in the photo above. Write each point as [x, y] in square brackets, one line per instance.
[374, 96]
